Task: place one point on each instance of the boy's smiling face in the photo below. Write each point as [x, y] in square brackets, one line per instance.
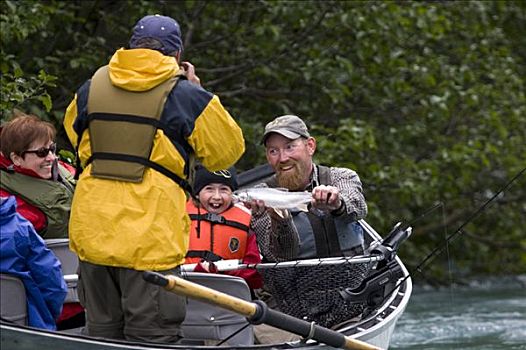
[215, 197]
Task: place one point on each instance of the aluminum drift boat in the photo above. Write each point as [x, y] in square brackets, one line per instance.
[382, 297]
[364, 308]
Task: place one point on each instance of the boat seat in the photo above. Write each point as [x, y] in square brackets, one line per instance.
[206, 321]
[69, 262]
[13, 304]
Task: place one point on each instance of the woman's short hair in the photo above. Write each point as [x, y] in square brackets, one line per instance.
[20, 132]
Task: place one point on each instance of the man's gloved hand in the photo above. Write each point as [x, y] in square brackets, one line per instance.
[205, 266]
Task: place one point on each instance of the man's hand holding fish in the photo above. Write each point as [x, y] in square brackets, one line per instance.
[326, 198]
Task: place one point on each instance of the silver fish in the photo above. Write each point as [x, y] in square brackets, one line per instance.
[274, 197]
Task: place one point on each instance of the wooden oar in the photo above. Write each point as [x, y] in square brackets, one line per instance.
[256, 312]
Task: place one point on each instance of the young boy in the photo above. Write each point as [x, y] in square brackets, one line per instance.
[220, 230]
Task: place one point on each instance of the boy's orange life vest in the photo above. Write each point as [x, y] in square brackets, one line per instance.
[217, 236]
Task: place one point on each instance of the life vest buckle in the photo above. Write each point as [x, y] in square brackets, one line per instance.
[215, 218]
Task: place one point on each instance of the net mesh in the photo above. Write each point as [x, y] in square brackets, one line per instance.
[312, 293]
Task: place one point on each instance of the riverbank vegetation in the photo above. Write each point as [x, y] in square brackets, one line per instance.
[425, 100]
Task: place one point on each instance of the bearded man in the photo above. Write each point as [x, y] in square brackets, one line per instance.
[329, 228]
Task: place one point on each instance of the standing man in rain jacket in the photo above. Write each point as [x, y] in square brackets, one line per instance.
[136, 123]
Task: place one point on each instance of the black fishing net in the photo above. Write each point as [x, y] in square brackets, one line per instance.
[312, 293]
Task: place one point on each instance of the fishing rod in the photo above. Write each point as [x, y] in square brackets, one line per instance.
[439, 249]
[459, 231]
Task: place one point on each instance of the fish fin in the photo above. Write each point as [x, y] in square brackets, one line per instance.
[303, 207]
[282, 189]
[282, 213]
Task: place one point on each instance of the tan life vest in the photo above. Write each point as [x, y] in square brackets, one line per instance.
[122, 126]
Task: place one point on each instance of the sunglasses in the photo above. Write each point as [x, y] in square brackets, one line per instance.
[42, 152]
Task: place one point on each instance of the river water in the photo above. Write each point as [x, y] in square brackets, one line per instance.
[489, 315]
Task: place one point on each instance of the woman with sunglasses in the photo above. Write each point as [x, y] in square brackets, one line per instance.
[30, 170]
[42, 185]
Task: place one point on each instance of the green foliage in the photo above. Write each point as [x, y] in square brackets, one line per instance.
[66, 156]
[20, 89]
[425, 100]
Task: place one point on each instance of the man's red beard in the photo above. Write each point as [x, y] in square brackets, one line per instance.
[295, 178]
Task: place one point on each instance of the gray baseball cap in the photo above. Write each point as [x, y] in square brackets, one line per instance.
[290, 126]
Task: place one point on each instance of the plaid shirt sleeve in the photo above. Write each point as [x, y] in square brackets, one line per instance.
[350, 186]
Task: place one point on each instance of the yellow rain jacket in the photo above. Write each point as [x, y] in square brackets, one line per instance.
[143, 225]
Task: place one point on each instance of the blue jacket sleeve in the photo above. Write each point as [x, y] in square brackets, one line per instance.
[46, 272]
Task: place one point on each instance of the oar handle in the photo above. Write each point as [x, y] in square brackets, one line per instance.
[257, 312]
[306, 329]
